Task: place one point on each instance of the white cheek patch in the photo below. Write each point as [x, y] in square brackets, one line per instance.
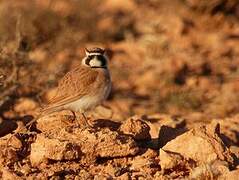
[95, 63]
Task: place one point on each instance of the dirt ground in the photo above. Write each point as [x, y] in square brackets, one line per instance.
[173, 112]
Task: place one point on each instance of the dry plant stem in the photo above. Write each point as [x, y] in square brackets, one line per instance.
[12, 78]
[13, 75]
[19, 130]
[9, 89]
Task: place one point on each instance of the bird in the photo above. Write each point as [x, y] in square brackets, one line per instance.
[83, 88]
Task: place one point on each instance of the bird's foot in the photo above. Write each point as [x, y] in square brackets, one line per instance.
[86, 123]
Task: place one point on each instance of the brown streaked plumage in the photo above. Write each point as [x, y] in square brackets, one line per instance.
[83, 88]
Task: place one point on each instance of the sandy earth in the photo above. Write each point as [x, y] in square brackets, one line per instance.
[173, 109]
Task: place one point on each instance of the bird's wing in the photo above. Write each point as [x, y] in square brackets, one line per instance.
[73, 86]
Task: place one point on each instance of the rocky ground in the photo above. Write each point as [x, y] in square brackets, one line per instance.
[173, 109]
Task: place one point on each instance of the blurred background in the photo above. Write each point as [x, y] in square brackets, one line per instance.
[177, 57]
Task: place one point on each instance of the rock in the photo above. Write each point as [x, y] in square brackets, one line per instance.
[24, 105]
[14, 142]
[108, 169]
[210, 170]
[192, 158]
[170, 160]
[150, 154]
[102, 176]
[191, 145]
[141, 163]
[109, 143]
[231, 175]
[9, 155]
[46, 148]
[136, 127]
[125, 176]
[6, 174]
[148, 162]
[229, 128]
[84, 175]
[59, 120]
[73, 143]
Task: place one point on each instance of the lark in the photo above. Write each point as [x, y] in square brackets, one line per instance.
[84, 87]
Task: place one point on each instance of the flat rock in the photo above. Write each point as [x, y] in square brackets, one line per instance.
[171, 160]
[201, 145]
[74, 143]
[214, 170]
[147, 162]
[59, 120]
[46, 148]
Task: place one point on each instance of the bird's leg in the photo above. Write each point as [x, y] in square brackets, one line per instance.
[86, 121]
[74, 115]
[75, 118]
[68, 118]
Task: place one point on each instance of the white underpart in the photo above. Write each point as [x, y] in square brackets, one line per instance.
[89, 102]
[83, 104]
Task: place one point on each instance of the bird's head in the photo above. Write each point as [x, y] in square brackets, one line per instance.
[95, 58]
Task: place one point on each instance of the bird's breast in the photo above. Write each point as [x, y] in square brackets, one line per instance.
[103, 84]
[95, 96]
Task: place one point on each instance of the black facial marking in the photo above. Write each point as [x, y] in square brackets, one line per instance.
[102, 60]
[87, 61]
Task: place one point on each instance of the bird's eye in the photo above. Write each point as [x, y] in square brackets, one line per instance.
[87, 61]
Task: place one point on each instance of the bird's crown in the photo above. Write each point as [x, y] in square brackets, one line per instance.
[94, 50]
